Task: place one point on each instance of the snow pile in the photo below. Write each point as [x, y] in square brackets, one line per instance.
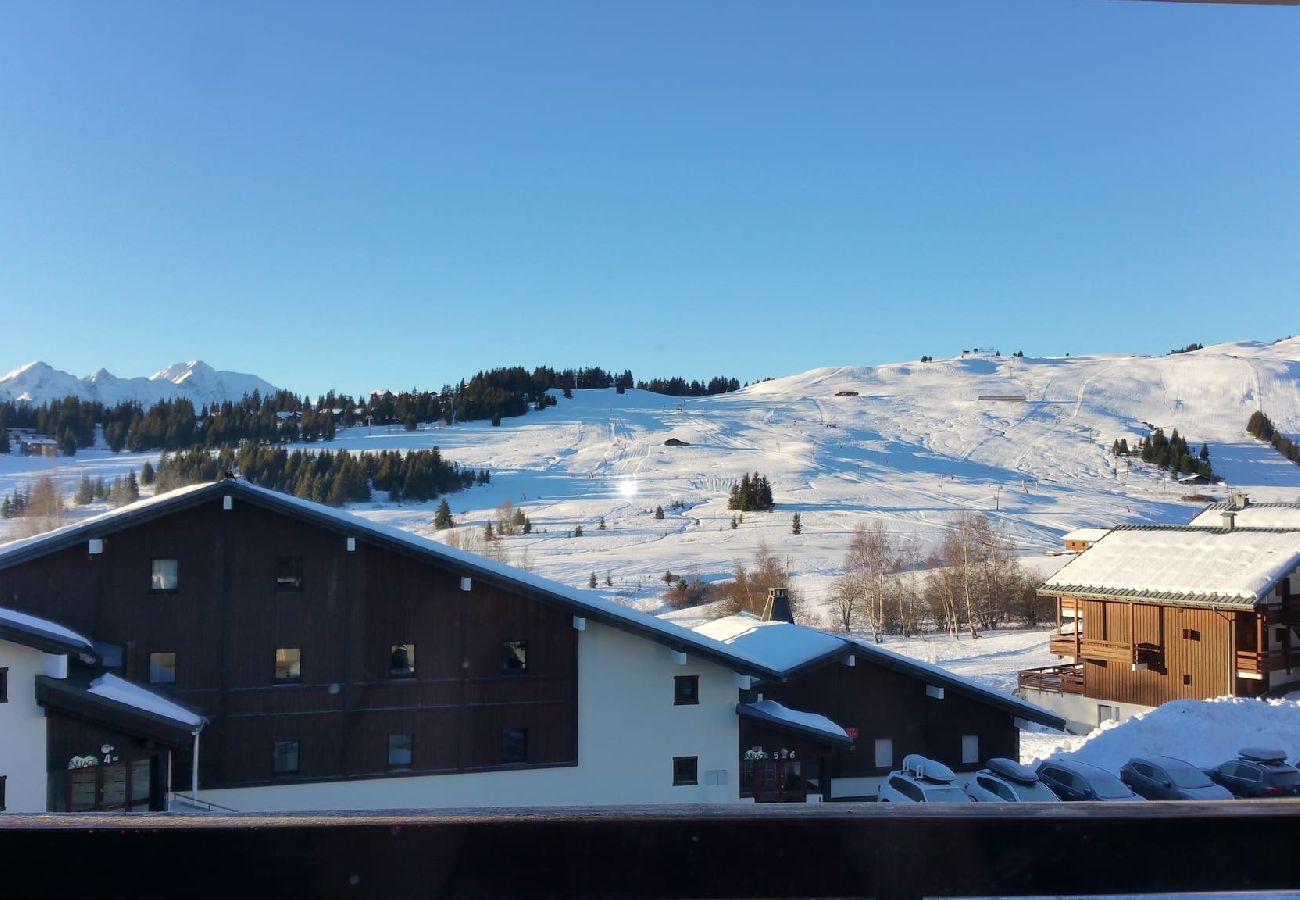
[1203, 732]
[780, 645]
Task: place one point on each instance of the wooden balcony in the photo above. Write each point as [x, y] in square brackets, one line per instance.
[1054, 679]
[1061, 644]
[1107, 651]
[1070, 604]
[1271, 661]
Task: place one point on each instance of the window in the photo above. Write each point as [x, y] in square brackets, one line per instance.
[686, 770]
[884, 753]
[401, 660]
[686, 690]
[514, 745]
[909, 790]
[970, 748]
[400, 750]
[288, 573]
[4, 685]
[162, 668]
[288, 664]
[514, 656]
[1191, 634]
[165, 577]
[284, 758]
[110, 655]
[1187, 679]
[1143, 769]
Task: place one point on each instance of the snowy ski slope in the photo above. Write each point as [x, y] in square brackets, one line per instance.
[915, 445]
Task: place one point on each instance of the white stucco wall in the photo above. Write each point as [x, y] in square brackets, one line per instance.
[22, 729]
[628, 733]
[1080, 712]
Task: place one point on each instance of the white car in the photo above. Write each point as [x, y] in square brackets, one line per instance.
[921, 781]
[1007, 781]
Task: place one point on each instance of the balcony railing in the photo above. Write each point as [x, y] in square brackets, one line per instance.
[837, 849]
[1055, 679]
[1061, 644]
[1269, 661]
[1108, 651]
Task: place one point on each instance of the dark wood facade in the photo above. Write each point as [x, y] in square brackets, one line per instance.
[230, 612]
[872, 702]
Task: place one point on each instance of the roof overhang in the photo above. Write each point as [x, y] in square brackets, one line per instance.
[72, 699]
[748, 711]
[44, 641]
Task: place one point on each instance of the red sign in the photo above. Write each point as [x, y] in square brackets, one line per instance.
[852, 733]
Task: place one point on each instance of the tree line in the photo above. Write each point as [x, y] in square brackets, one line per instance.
[751, 493]
[1172, 453]
[332, 478]
[284, 417]
[1261, 427]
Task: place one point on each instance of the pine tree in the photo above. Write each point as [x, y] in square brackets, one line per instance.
[577, 531]
[659, 512]
[733, 522]
[147, 473]
[442, 518]
[796, 524]
[85, 492]
[591, 582]
[609, 581]
[487, 532]
[601, 526]
[668, 574]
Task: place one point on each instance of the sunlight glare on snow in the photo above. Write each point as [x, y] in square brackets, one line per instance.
[628, 488]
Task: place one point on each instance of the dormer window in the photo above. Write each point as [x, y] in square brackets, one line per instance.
[288, 573]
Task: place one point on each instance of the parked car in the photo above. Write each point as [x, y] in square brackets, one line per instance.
[1257, 772]
[1007, 781]
[921, 780]
[1168, 778]
[1078, 781]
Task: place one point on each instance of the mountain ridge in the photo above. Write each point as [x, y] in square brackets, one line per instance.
[38, 382]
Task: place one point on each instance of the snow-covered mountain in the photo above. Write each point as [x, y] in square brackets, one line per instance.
[195, 380]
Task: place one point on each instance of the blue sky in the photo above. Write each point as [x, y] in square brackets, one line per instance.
[396, 195]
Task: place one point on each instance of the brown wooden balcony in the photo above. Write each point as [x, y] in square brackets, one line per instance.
[1269, 661]
[1055, 679]
[1108, 651]
[1061, 644]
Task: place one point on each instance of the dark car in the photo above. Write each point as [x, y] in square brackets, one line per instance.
[1258, 773]
[1079, 781]
[1168, 778]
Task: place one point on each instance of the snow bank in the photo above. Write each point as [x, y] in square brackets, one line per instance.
[1203, 732]
[110, 687]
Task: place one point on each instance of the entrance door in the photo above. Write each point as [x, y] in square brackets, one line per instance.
[779, 781]
[119, 786]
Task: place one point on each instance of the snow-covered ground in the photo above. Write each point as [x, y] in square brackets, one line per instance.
[914, 446]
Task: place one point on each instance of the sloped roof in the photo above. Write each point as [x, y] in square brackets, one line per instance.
[582, 603]
[1182, 565]
[1252, 515]
[792, 649]
[1086, 534]
[42, 634]
[108, 700]
[774, 713]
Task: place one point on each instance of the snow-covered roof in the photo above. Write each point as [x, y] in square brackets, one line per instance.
[780, 645]
[1189, 566]
[771, 711]
[1086, 534]
[789, 648]
[1253, 515]
[119, 690]
[583, 603]
[41, 633]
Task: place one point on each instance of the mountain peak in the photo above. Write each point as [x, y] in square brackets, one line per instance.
[38, 382]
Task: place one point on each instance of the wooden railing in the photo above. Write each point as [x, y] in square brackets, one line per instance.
[1061, 644]
[1055, 679]
[1110, 651]
[843, 850]
[1270, 661]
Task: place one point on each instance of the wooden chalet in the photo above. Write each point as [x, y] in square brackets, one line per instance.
[1082, 538]
[1156, 613]
[342, 664]
[843, 712]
